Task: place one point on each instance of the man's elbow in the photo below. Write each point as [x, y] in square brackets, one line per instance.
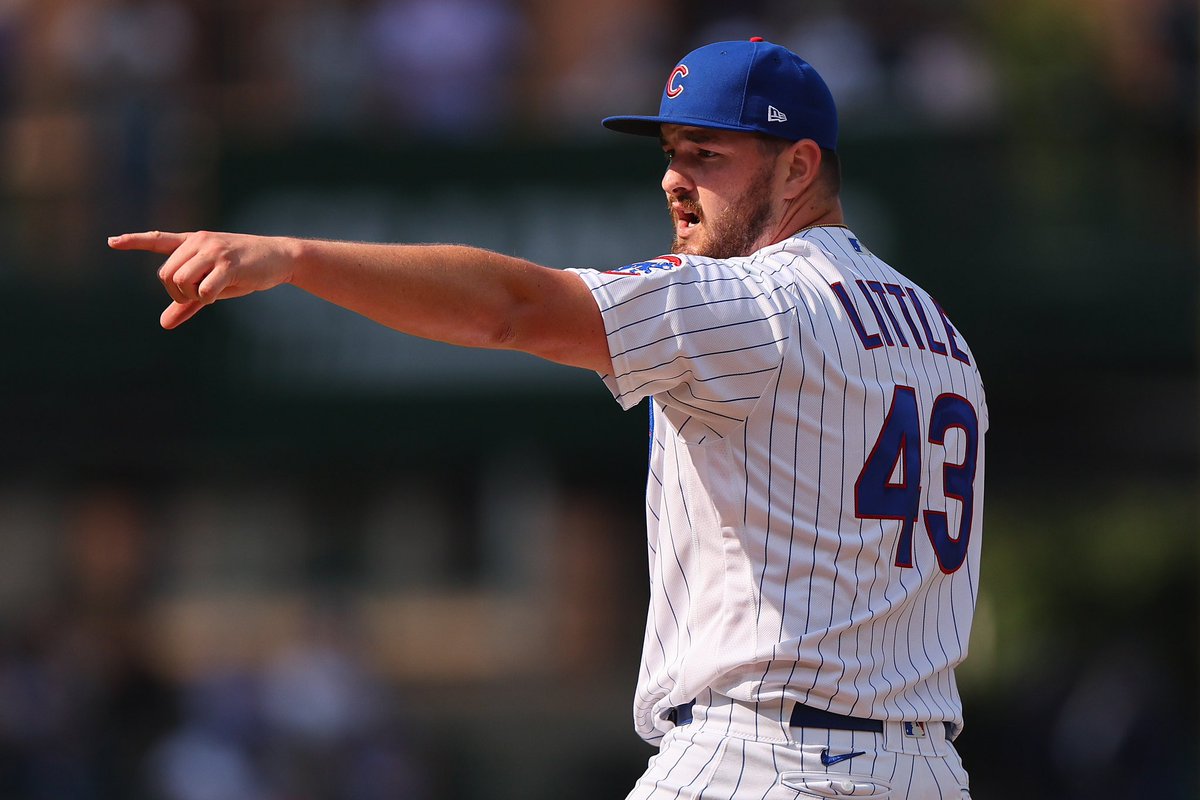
[556, 337]
[503, 335]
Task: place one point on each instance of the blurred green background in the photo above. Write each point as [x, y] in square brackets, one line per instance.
[282, 553]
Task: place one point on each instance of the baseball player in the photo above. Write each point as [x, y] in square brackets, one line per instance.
[815, 493]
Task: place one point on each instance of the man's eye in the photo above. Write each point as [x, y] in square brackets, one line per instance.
[707, 154]
[668, 155]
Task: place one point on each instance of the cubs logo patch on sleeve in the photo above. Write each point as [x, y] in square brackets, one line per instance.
[660, 264]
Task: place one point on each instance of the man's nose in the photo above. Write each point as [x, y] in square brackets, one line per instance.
[676, 183]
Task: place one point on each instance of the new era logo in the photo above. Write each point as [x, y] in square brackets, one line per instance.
[775, 115]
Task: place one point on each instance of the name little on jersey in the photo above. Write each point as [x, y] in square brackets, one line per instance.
[887, 300]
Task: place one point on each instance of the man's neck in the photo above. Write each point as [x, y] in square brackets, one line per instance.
[804, 215]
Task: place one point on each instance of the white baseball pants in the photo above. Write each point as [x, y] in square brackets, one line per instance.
[743, 751]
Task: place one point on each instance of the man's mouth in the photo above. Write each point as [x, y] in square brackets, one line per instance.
[685, 218]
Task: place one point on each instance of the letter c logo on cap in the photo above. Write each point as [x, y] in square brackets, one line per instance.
[674, 91]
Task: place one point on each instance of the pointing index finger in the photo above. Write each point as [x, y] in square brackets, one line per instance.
[160, 242]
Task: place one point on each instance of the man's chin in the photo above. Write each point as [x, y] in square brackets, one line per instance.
[688, 247]
[704, 244]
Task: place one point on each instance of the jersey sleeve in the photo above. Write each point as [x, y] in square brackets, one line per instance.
[701, 336]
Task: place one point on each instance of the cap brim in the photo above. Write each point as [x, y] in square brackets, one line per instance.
[652, 126]
[639, 126]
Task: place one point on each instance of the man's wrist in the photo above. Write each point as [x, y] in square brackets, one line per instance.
[299, 256]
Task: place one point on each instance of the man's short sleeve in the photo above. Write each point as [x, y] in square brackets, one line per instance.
[703, 336]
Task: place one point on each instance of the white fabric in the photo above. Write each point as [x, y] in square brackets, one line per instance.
[735, 750]
[764, 584]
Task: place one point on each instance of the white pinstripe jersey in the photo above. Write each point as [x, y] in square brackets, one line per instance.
[815, 496]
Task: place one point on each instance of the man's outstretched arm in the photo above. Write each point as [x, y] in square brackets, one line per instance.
[450, 293]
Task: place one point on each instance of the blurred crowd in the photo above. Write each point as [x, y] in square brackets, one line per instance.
[93, 706]
[469, 68]
[113, 108]
[115, 115]
[203, 640]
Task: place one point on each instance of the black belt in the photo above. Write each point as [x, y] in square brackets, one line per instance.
[802, 717]
[808, 717]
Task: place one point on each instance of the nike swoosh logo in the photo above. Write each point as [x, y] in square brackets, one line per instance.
[829, 760]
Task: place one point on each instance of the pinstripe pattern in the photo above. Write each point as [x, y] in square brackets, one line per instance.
[736, 751]
[765, 586]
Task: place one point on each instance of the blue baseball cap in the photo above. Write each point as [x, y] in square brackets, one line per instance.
[750, 86]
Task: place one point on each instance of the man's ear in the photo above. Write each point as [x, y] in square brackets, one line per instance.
[804, 167]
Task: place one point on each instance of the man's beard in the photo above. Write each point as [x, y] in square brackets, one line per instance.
[735, 231]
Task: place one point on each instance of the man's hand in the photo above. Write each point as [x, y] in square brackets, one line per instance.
[203, 267]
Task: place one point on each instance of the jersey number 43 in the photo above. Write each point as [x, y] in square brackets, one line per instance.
[889, 486]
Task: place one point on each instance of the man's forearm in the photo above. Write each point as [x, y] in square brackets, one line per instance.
[451, 293]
